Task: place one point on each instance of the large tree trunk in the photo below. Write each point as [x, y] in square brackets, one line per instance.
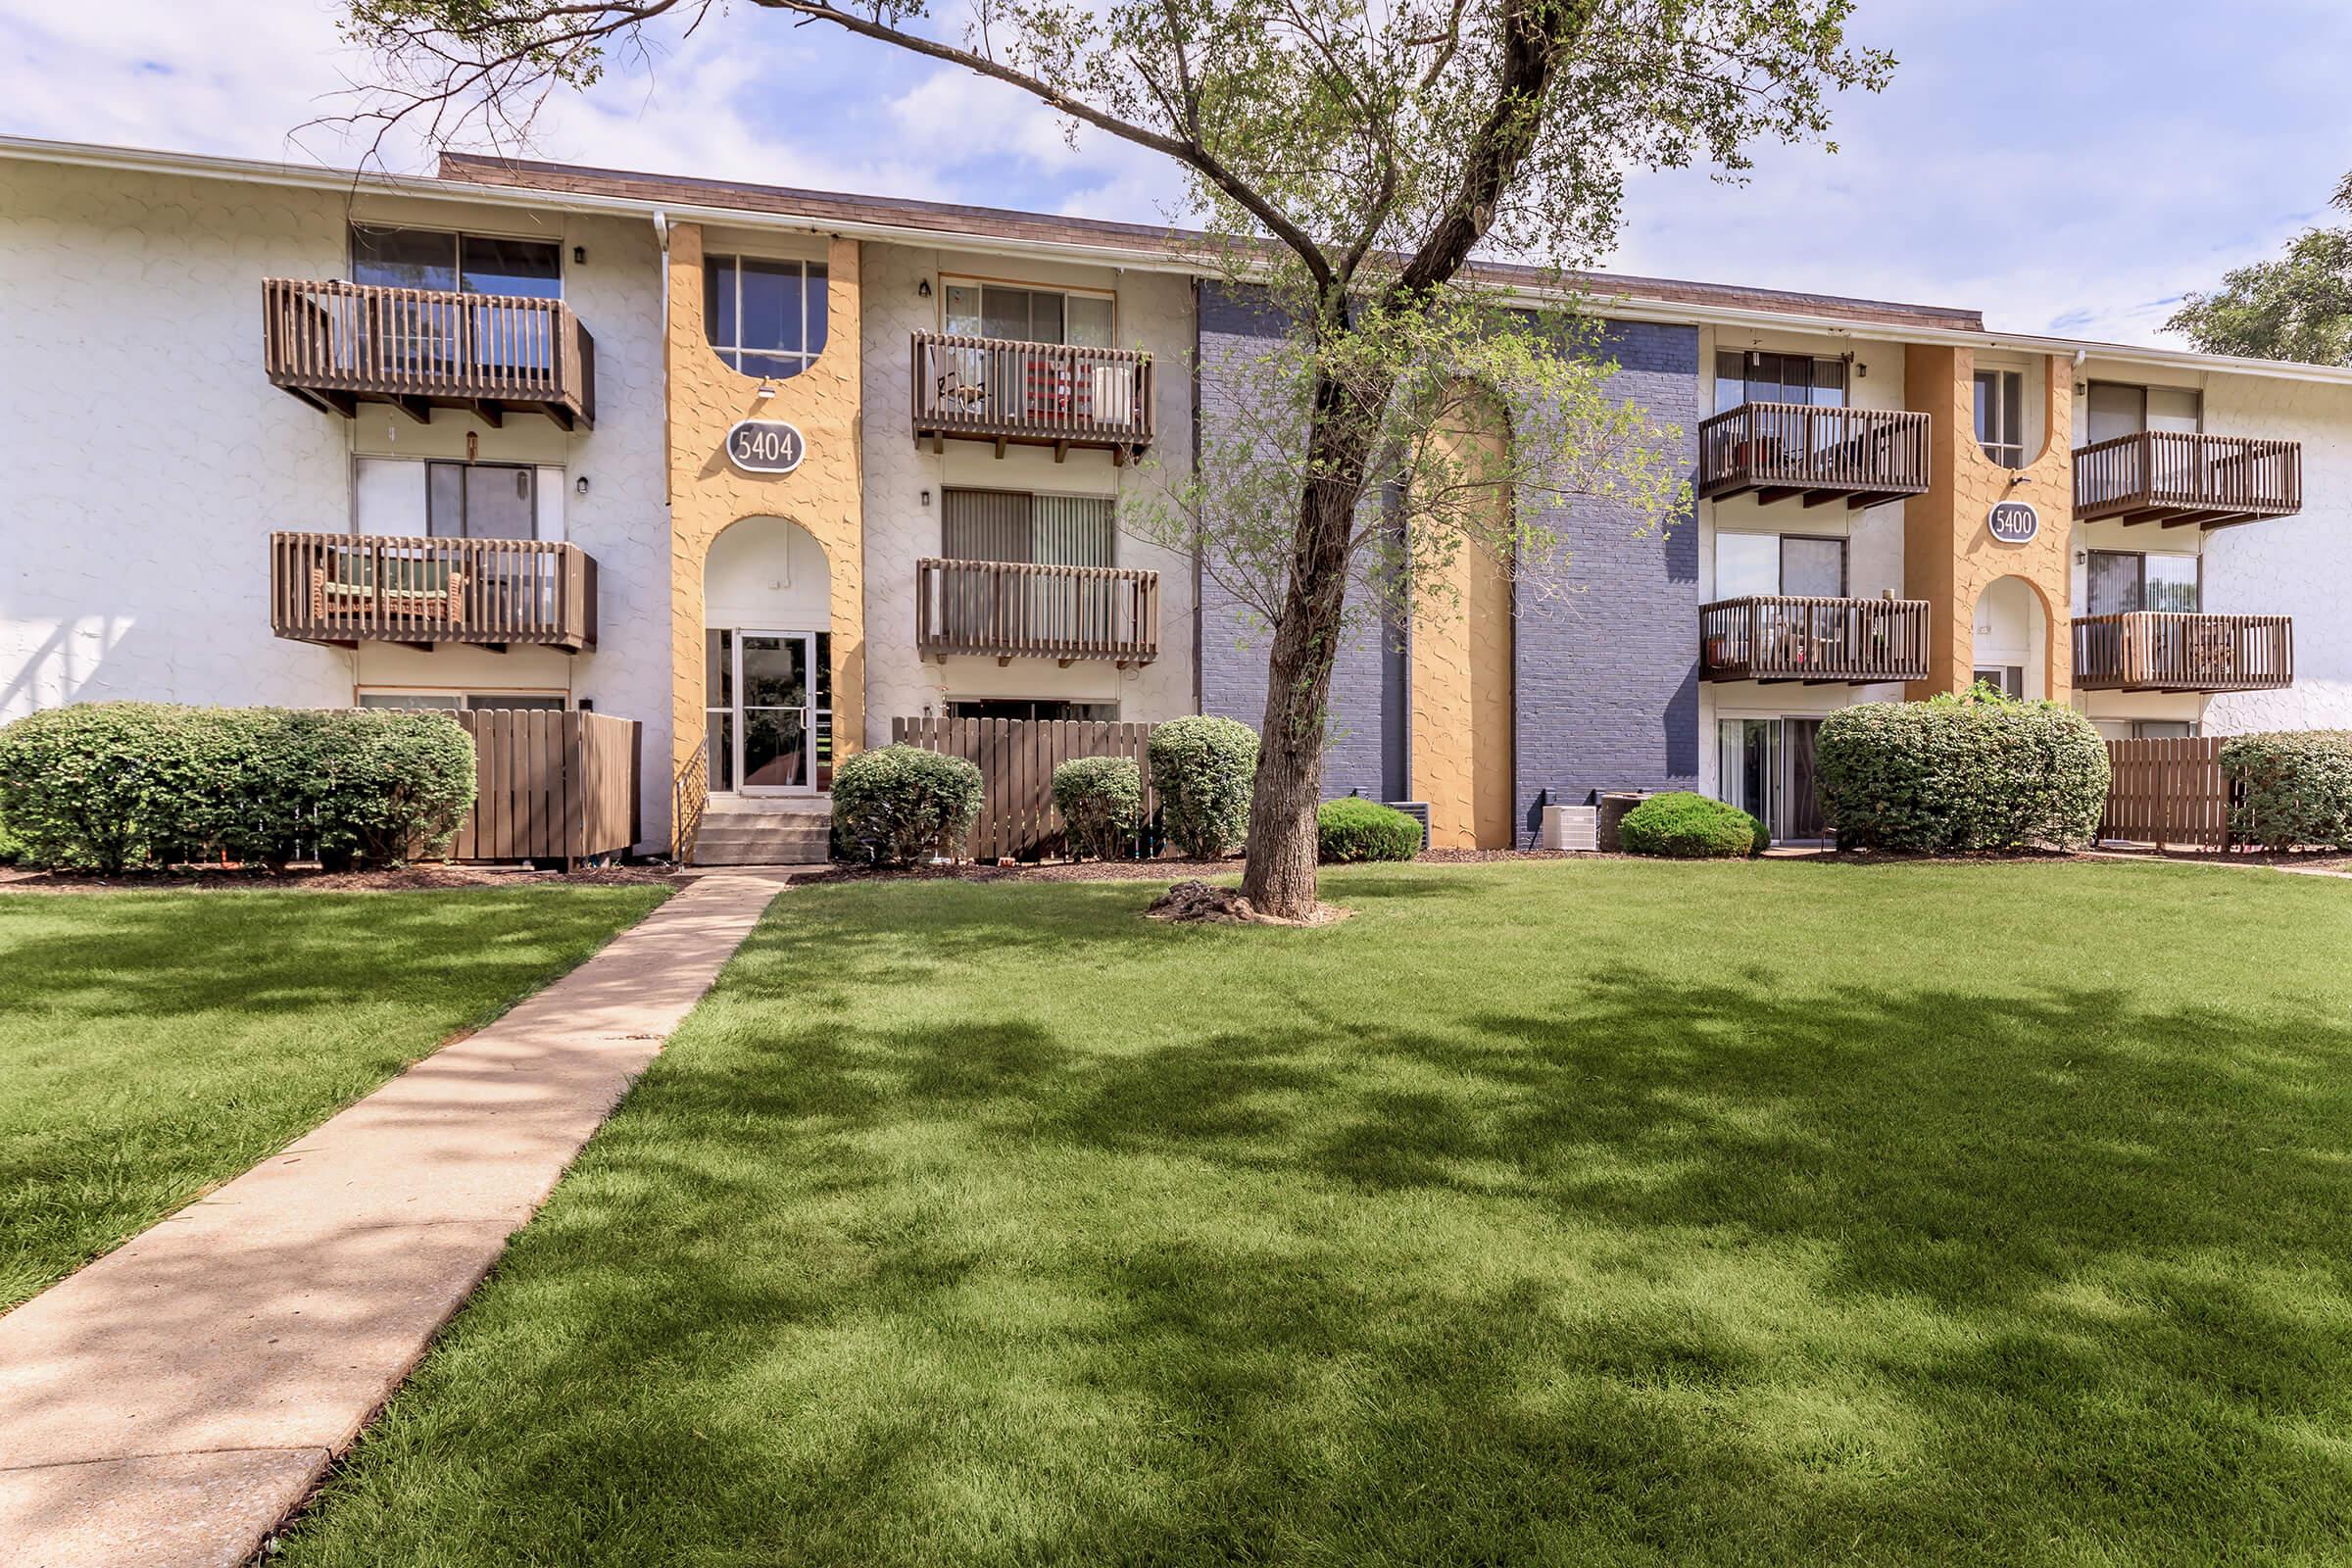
[1280, 877]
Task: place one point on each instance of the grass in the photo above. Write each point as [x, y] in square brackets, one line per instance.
[153, 1045]
[1610, 1213]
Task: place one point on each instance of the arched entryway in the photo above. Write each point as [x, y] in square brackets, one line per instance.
[2012, 638]
[768, 661]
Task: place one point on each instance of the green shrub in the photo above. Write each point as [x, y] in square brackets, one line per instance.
[902, 805]
[1683, 826]
[1355, 829]
[12, 848]
[113, 785]
[1978, 771]
[1101, 804]
[1202, 769]
[2294, 788]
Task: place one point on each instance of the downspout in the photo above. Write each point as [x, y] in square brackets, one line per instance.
[661, 239]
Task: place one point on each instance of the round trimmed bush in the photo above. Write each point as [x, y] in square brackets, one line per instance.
[1978, 771]
[1202, 769]
[902, 805]
[1355, 829]
[2293, 788]
[1682, 826]
[1101, 800]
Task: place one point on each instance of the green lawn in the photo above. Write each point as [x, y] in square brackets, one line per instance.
[152, 1045]
[1778, 1212]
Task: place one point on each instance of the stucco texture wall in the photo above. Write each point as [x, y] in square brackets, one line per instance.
[1460, 673]
[707, 493]
[1949, 555]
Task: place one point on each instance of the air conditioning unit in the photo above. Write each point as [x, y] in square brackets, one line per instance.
[1570, 827]
[1418, 810]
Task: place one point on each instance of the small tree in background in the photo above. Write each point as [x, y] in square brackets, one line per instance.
[1349, 158]
[2299, 306]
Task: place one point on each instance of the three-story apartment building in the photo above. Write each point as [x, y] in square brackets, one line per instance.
[767, 469]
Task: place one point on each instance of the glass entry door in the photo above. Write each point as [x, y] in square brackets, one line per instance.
[1748, 757]
[775, 718]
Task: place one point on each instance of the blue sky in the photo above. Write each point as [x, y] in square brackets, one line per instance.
[2066, 166]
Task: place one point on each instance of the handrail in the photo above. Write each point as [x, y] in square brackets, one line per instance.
[2176, 651]
[2235, 479]
[328, 336]
[1039, 392]
[343, 587]
[1013, 608]
[1800, 447]
[1802, 638]
[689, 791]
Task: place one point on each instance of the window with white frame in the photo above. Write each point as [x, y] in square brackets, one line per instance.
[1770, 565]
[1014, 526]
[1744, 377]
[447, 500]
[1018, 314]
[764, 318]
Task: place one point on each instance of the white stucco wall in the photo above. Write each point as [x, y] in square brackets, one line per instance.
[150, 457]
[1155, 314]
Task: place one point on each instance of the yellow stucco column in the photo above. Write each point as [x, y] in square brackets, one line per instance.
[1950, 554]
[707, 493]
[1462, 711]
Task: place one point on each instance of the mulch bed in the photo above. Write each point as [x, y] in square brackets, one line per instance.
[310, 879]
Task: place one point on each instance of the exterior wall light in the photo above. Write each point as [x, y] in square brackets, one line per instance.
[923, 289]
[579, 486]
[768, 389]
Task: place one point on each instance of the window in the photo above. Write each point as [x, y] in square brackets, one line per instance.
[1765, 565]
[402, 497]
[2002, 416]
[1026, 708]
[1758, 377]
[1748, 768]
[452, 701]
[465, 264]
[1009, 525]
[2164, 729]
[764, 318]
[2115, 409]
[2009, 678]
[2122, 581]
[1029, 314]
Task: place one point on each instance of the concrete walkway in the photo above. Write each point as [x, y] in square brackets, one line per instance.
[171, 1403]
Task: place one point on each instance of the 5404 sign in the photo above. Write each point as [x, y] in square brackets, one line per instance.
[765, 446]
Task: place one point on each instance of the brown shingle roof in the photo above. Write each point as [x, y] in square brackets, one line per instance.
[951, 219]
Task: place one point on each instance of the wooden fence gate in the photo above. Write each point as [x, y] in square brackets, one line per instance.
[1017, 758]
[2168, 792]
[548, 786]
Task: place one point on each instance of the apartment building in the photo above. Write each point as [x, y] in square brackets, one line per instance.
[766, 469]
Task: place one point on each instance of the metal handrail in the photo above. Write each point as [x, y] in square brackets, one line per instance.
[689, 792]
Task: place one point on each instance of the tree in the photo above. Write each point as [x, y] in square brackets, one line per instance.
[1350, 158]
[2299, 306]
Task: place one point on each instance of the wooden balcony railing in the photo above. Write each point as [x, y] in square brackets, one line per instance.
[1019, 610]
[1816, 641]
[2167, 651]
[1032, 394]
[337, 345]
[2182, 479]
[1780, 450]
[353, 588]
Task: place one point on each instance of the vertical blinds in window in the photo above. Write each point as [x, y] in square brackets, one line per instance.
[1008, 525]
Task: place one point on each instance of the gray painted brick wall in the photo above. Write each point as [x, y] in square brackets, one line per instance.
[1606, 677]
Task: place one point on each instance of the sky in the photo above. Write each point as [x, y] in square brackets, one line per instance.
[2070, 167]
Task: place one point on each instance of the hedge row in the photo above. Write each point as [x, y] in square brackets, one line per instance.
[107, 786]
[2294, 789]
[1977, 771]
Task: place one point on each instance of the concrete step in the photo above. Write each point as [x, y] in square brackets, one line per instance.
[735, 840]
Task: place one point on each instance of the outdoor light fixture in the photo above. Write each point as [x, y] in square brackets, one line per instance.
[579, 255]
[579, 486]
[923, 288]
[768, 389]
[927, 498]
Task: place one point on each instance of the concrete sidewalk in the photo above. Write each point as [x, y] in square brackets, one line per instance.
[167, 1406]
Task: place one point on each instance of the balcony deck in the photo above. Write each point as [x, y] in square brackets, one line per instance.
[1784, 450]
[1011, 609]
[1818, 642]
[348, 589]
[2183, 480]
[1031, 394]
[2166, 651]
[336, 344]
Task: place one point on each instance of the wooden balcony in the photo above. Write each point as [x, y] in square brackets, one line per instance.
[1018, 610]
[336, 344]
[2183, 480]
[1818, 642]
[1779, 451]
[349, 589]
[1031, 394]
[2165, 650]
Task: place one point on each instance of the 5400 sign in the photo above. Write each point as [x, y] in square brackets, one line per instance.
[765, 446]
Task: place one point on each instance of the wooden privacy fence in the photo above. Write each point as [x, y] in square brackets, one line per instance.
[2168, 792]
[548, 786]
[1017, 758]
